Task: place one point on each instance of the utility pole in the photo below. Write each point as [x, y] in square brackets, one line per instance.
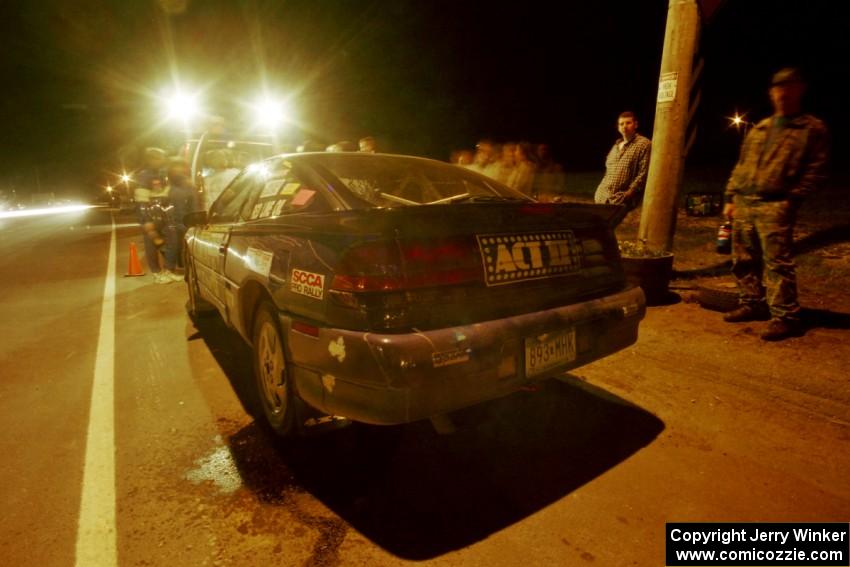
[666, 165]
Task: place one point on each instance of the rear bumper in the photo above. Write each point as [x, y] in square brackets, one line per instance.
[398, 378]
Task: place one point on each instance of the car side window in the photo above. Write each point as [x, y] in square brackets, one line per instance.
[226, 207]
[280, 191]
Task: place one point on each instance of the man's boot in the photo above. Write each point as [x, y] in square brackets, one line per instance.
[778, 329]
[746, 313]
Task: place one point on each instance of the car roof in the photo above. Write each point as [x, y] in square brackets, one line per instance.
[359, 155]
[229, 140]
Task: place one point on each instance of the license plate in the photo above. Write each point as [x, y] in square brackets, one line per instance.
[549, 351]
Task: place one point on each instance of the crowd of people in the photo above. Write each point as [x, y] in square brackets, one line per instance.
[528, 168]
[164, 195]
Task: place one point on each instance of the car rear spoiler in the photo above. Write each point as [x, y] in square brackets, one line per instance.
[617, 217]
[613, 215]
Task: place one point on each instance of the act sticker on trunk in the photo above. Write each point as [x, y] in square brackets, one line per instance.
[307, 283]
[510, 258]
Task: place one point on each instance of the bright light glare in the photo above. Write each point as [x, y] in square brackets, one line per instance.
[125, 178]
[109, 188]
[738, 120]
[45, 211]
[181, 106]
[258, 168]
[270, 113]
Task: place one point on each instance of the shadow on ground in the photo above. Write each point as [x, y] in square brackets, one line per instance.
[824, 318]
[420, 495]
[822, 238]
[231, 353]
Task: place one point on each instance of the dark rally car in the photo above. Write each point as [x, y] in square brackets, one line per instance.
[388, 289]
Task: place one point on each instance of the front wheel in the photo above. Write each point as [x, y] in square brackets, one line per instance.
[272, 380]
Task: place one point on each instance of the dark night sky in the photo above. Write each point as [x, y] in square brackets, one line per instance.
[425, 77]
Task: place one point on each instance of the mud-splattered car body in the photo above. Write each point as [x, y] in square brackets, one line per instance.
[404, 288]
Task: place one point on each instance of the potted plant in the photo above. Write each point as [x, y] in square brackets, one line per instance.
[650, 269]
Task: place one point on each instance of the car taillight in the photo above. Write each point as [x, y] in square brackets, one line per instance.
[374, 266]
[448, 261]
[389, 265]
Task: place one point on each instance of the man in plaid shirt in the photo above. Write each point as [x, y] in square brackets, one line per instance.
[626, 166]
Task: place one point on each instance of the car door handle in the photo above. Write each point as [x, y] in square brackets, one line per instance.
[222, 249]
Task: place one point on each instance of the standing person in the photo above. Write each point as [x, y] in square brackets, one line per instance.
[507, 163]
[150, 180]
[463, 158]
[626, 166]
[342, 146]
[549, 182]
[367, 145]
[525, 168]
[183, 199]
[221, 175]
[485, 161]
[783, 159]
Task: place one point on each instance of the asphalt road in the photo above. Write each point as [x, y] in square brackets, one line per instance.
[128, 441]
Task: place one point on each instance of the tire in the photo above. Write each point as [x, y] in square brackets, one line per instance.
[717, 299]
[272, 379]
[195, 305]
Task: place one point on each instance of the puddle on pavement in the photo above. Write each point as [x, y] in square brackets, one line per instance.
[217, 467]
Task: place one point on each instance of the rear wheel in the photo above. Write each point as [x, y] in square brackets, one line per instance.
[272, 380]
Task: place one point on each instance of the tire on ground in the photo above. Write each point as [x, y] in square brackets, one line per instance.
[272, 378]
[717, 299]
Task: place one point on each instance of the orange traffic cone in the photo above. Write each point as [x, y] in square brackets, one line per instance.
[135, 268]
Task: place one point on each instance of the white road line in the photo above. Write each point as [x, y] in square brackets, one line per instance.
[96, 532]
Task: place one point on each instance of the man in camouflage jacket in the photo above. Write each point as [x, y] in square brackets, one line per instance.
[783, 159]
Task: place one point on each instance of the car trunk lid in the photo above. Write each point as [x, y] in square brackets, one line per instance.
[442, 265]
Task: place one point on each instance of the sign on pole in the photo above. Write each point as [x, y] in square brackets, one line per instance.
[667, 87]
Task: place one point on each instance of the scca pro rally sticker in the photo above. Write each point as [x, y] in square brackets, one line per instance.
[307, 283]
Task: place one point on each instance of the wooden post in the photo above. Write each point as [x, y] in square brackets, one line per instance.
[666, 166]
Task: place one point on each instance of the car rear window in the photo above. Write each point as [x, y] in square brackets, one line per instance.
[278, 190]
[389, 181]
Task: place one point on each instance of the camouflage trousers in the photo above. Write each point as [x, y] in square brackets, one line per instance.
[762, 237]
